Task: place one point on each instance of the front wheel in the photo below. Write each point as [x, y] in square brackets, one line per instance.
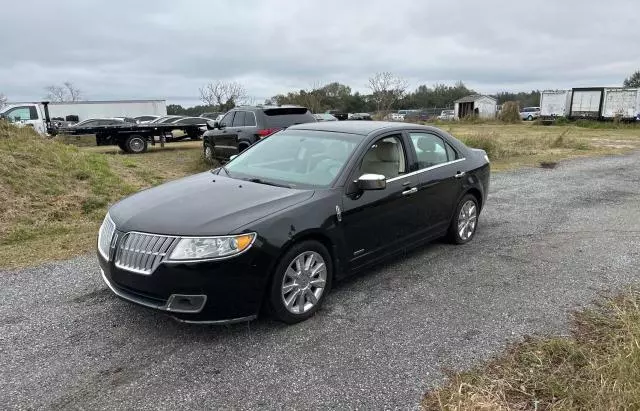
[530, 118]
[465, 220]
[301, 282]
[209, 153]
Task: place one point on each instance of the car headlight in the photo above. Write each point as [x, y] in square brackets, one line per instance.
[202, 248]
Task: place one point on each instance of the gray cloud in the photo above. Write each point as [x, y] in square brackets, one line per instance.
[167, 49]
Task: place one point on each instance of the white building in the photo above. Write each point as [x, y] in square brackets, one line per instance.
[477, 104]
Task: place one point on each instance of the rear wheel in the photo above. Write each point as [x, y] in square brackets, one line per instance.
[301, 282]
[465, 220]
[136, 144]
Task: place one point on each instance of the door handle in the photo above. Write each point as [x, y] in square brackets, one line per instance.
[410, 191]
[460, 174]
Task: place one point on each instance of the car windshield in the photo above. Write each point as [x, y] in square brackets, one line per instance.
[295, 158]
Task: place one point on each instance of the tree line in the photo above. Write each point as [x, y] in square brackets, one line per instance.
[387, 92]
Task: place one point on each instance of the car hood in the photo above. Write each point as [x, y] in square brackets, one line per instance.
[202, 204]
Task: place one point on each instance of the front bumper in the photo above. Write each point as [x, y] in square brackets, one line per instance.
[213, 292]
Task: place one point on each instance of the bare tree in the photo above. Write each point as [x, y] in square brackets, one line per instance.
[66, 92]
[73, 93]
[3, 100]
[386, 89]
[222, 94]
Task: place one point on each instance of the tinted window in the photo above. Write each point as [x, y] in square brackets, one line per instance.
[430, 149]
[192, 120]
[283, 117]
[88, 123]
[452, 154]
[386, 157]
[227, 119]
[250, 119]
[238, 120]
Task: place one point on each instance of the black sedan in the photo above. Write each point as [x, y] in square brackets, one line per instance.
[293, 213]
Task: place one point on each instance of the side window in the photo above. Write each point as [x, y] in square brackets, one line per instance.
[19, 114]
[227, 119]
[33, 113]
[430, 149]
[386, 157]
[250, 119]
[238, 120]
[451, 153]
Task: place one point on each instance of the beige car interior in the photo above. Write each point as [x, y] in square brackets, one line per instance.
[385, 157]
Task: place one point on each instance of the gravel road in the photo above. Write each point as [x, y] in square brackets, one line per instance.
[548, 241]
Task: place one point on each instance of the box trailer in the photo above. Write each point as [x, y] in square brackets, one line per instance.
[555, 103]
[101, 109]
[586, 103]
[623, 103]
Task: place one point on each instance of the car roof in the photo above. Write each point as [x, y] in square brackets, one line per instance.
[363, 128]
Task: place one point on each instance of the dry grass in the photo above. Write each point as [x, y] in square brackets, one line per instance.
[512, 146]
[55, 195]
[597, 368]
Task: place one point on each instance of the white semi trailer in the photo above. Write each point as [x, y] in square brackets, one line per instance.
[622, 103]
[103, 109]
[554, 104]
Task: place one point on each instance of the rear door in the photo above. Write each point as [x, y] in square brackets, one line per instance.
[439, 176]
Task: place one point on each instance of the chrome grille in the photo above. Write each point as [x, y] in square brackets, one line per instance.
[105, 235]
[142, 253]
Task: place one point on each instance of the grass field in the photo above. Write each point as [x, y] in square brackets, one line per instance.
[597, 368]
[57, 191]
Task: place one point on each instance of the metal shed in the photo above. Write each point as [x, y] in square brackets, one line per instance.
[476, 104]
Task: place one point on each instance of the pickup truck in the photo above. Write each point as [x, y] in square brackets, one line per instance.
[34, 115]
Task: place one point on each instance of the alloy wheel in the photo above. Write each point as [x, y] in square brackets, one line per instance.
[304, 282]
[467, 220]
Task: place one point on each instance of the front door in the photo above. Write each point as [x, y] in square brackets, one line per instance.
[376, 222]
[226, 138]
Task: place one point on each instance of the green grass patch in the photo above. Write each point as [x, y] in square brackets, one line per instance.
[597, 368]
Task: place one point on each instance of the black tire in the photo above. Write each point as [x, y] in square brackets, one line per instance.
[136, 144]
[122, 146]
[209, 153]
[530, 118]
[276, 303]
[242, 147]
[454, 234]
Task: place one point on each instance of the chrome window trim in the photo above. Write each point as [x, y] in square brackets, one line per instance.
[413, 173]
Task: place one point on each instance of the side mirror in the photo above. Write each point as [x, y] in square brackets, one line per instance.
[218, 124]
[232, 157]
[371, 182]
[210, 125]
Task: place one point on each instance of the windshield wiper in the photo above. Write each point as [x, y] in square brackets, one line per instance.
[269, 183]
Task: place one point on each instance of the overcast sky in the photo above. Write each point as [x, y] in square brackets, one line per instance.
[168, 49]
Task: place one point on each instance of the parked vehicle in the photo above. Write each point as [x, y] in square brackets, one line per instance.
[530, 113]
[34, 115]
[447, 115]
[621, 103]
[340, 115]
[145, 119]
[245, 125]
[95, 122]
[396, 117]
[285, 219]
[555, 104]
[361, 116]
[212, 116]
[325, 117]
[586, 103]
